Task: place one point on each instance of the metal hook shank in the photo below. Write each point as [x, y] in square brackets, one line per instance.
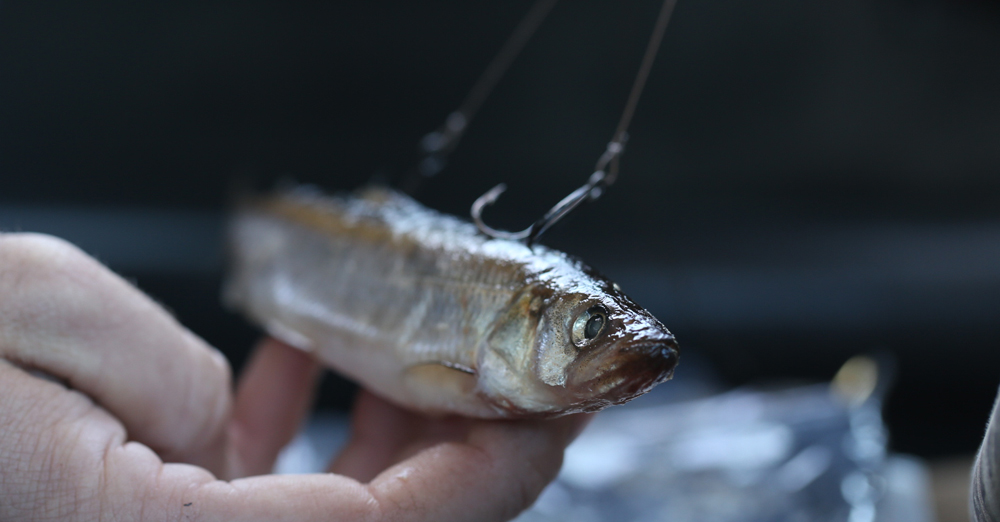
[489, 198]
[592, 190]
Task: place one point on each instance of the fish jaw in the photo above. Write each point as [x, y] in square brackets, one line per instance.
[634, 369]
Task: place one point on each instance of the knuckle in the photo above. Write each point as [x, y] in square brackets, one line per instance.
[47, 481]
[34, 251]
[46, 283]
[35, 262]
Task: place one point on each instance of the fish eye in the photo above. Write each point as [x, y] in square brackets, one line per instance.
[589, 325]
[594, 325]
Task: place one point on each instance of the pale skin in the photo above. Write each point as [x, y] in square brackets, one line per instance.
[111, 410]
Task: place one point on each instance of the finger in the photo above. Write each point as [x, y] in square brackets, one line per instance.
[274, 394]
[52, 441]
[298, 498]
[495, 475]
[64, 458]
[378, 429]
[67, 315]
[383, 434]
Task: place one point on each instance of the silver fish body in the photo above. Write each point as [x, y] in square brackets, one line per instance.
[421, 309]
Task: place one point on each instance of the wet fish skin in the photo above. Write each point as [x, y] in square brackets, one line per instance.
[420, 308]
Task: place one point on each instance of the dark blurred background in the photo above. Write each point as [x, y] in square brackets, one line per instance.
[806, 181]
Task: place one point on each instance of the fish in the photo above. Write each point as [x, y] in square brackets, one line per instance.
[420, 308]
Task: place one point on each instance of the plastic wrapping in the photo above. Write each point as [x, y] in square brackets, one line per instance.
[800, 454]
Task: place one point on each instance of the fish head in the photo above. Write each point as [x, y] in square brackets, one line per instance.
[601, 349]
[584, 351]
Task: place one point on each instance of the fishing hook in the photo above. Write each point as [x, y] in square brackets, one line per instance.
[600, 180]
[606, 170]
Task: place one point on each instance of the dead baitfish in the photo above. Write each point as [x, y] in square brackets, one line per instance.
[420, 308]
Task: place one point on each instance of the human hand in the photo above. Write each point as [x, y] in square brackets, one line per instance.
[144, 426]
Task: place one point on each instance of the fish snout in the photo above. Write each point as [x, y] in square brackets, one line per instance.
[650, 363]
[641, 365]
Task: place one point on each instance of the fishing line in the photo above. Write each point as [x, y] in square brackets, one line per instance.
[437, 145]
[606, 169]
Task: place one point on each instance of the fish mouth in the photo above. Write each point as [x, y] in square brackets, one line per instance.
[645, 366]
[630, 371]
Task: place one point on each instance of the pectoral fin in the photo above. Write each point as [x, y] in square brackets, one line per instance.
[442, 377]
